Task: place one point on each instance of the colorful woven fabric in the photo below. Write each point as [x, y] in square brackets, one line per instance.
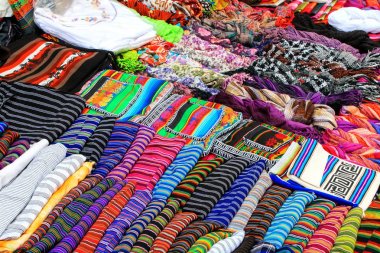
[366, 229]
[346, 239]
[121, 94]
[129, 213]
[17, 194]
[301, 233]
[140, 143]
[262, 217]
[18, 148]
[71, 216]
[157, 156]
[95, 145]
[120, 140]
[91, 239]
[373, 211]
[74, 193]
[137, 227]
[256, 141]
[288, 215]
[249, 204]
[204, 244]
[209, 192]
[3, 127]
[72, 239]
[79, 132]
[6, 140]
[45, 189]
[147, 237]
[192, 119]
[44, 115]
[176, 172]
[191, 234]
[165, 239]
[324, 237]
[45, 63]
[201, 170]
[229, 204]
[229, 244]
[70, 183]
[23, 12]
[317, 169]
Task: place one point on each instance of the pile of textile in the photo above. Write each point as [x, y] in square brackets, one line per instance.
[218, 126]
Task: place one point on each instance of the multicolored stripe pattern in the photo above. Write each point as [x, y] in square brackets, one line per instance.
[18, 148]
[204, 244]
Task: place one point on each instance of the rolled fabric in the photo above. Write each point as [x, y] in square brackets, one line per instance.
[228, 244]
[204, 244]
[366, 229]
[191, 234]
[301, 233]
[287, 217]
[150, 233]
[167, 236]
[127, 235]
[201, 170]
[11, 171]
[74, 193]
[215, 185]
[17, 194]
[229, 204]
[249, 204]
[177, 170]
[69, 242]
[66, 221]
[69, 184]
[108, 215]
[346, 239]
[324, 237]
[17, 149]
[41, 195]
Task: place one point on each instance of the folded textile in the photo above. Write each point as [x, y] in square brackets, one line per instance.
[91, 239]
[37, 112]
[57, 210]
[150, 233]
[366, 230]
[72, 239]
[346, 239]
[316, 169]
[143, 137]
[226, 208]
[66, 221]
[301, 233]
[288, 215]
[351, 19]
[95, 145]
[191, 234]
[23, 12]
[204, 244]
[122, 137]
[6, 140]
[228, 244]
[40, 62]
[17, 194]
[324, 237]
[133, 231]
[80, 29]
[123, 95]
[197, 175]
[45, 189]
[183, 163]
[79, 132]
[196, 121]
[17, 149]
[70, 183]
[166, 237]
[11, 171]
[249, 204]
[213, 188]
[255, 141]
